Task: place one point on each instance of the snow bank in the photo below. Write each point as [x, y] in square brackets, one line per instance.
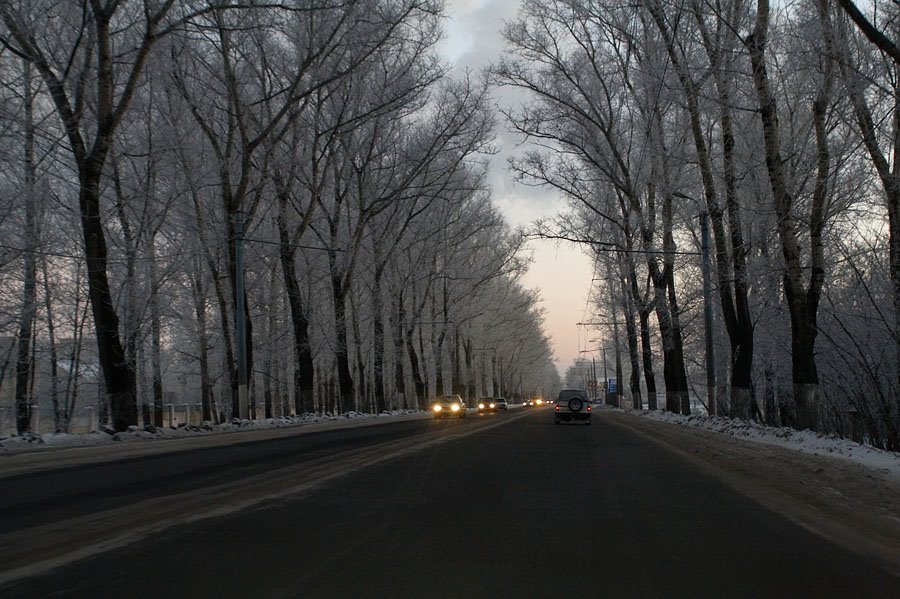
[804, 441]
[30, 442]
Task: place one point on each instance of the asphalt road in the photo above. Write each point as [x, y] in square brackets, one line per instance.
[507, 505]
[54, 494]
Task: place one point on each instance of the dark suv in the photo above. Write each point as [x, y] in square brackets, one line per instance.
[573, 404]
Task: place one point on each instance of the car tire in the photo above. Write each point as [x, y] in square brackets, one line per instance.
[576, 404]
[589, 421]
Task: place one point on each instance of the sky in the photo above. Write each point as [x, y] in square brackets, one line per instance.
[561, 272]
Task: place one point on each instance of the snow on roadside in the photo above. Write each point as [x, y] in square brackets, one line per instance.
[804, 441]
[32, 442]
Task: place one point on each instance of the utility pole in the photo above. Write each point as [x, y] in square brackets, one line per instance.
[240, 323]
[605, 376]
[707, 316]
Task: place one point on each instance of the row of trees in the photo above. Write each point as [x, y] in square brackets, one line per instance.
[295, 186]
[781, 126]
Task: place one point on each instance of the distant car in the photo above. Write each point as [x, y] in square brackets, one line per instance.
[528, 403]
[501, 402]
[447, 406]
[573, 404]
[486, 405]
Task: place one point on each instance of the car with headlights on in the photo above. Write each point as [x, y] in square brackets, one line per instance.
[487, 405]
[573, 404]
[448, 406]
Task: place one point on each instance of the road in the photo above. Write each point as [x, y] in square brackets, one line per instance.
[505, 505]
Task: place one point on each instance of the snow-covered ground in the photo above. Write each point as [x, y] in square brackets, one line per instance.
[803, 441]
[31, 442]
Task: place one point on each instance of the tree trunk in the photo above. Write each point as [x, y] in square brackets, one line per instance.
[771, 415]
[70, 396]
[60, 420]
[397, 328]
[118, 371]
[637, 401]
[471, 393]
[457, 386]
[303, 367]
[894, 224]
[671, 354]
[341, 352]
[225, 323]
[155, 327]
[734, 302]
[363, 402]
[378, 334]
[647, 354]
[802, 303]
[206, 394]
[29, 280]
[273, 311]
[414, 367]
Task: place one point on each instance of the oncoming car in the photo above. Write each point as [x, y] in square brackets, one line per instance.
[501, 403]
[487, 404]
[573, 404]
[447, 406]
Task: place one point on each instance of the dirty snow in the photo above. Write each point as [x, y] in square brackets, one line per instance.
[32, 442]
[803, 441]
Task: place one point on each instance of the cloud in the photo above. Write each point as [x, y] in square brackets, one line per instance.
[473, 39]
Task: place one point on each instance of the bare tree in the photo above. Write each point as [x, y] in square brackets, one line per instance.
[880, 145]
[802, 297]
[92, 66]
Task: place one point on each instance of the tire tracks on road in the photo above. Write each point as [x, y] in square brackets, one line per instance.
[35, 550]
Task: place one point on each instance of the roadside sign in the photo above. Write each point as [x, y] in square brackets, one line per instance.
[612, 385]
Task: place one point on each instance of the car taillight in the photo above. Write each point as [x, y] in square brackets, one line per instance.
[589, 408]
[556, 408]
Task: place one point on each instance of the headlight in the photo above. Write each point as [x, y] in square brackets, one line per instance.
[455, 407]
[437, 408]
[493, 405]
[481, 406]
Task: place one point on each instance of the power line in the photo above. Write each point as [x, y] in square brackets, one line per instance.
[294, 245]
[614, 247]
[52, 254]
